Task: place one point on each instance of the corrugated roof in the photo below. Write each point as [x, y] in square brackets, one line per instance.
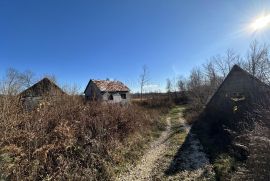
[110, 86]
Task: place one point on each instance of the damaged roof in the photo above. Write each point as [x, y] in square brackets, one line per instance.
[110, 86]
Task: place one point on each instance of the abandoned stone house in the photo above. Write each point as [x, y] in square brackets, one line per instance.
[239, 89]
[40, 90]
[106, 90]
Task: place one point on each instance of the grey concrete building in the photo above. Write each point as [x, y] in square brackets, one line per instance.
[108, 91]
[238, 89]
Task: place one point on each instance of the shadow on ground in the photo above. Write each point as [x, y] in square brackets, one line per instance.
[189, 157]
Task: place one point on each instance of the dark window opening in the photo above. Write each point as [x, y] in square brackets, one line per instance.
[123, 96]
[110, 97]
[238, 95]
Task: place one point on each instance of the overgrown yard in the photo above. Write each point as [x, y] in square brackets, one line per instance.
[68, 139]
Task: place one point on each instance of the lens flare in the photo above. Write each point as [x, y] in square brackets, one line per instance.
[260, 23]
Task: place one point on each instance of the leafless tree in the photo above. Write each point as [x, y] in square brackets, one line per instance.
[14, 81]
[225, 63]
[197, 89]
[211, 74]
[257, 62]
[231, 58]
[144, 79]
[27, 78]
[169, 86]
[181, 84]
[195, 79]
[71, 89]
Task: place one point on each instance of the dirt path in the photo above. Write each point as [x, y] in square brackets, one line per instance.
[176, 155]
[143, 170]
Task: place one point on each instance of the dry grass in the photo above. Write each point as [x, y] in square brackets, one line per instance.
[65, 138]
[162, 104]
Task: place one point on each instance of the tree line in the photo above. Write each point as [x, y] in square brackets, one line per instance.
[203, 80]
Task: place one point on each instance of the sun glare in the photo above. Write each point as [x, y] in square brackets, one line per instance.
[261, 22]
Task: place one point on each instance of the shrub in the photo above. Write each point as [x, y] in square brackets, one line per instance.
[224, 165]
[162, 104]
[243, 136]
[65, 138]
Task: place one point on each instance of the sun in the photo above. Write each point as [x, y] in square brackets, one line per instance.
[260, 22]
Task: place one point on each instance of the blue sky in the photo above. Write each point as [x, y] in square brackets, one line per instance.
[82, 39]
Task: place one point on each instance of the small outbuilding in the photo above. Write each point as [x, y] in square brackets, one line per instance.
[43, 88]
[106, 90]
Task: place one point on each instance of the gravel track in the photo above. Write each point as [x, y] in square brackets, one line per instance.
[143, 170]
[188, 163]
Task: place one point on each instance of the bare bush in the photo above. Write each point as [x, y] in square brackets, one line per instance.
[254, 143]
[63, 138]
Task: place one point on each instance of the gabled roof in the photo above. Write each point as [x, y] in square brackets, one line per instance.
[109, 86]
[42, 88]
[238, 69]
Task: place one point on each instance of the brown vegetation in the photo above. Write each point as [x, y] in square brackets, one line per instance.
[64, 138]
[237, 142]
[67, 138]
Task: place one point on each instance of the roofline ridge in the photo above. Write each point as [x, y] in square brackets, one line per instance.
[235, 68]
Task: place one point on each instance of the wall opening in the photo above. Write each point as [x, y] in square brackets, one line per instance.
[110, 97]
[123, 96]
